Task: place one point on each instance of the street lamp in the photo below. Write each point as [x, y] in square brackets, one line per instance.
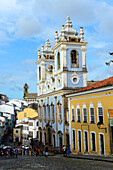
[111, 61]
[99, 126]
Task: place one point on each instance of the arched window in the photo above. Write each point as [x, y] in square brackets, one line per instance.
[74, 58]
[52, 108]
[72, 113]
[39, 73]
[58, 61]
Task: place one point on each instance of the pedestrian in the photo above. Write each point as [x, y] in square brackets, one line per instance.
[68, 151]
[39, 151]
[16, 152]
[13, 151]
[8, 152]
[5, 152]
[46, 152]
[36, 150]
[64, 150]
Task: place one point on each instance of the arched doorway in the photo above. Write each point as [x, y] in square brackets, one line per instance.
[60, 141]
[49, 136]
[67, 139]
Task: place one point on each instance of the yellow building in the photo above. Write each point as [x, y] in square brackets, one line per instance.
[16, 134]
[27, 112]
[91, 119]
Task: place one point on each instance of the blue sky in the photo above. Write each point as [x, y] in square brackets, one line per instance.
[25, 25]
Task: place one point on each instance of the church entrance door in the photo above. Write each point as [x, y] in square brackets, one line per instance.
[49, 136]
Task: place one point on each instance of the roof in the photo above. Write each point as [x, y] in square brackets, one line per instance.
[31, 113]
[33, 118]
[31, 95]
[99, 84]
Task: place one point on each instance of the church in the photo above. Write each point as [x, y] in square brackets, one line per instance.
[60, 70]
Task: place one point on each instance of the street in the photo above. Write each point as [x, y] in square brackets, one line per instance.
[52, 163]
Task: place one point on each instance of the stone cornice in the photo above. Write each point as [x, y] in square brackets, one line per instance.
[40, 60]
[69, 43]
[70, 72]
[56, 93]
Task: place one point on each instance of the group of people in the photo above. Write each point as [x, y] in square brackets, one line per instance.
[13, 152]
[9, 152]
[39, 152]
[65, 150]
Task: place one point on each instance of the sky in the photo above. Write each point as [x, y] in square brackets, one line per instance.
[25, 25]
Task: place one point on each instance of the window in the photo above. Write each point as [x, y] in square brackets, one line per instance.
[78, 115]
[73, 114]
[101, 142]
[44, 107]
[30, 134]
[92, 116]
[85, 141]
[73, 139]
[39, 73]
[84, 115]
[16, 131]
[100, 115]
[25, 114]
[59, 111]
[74, 58]
[48, 107]
[52, 108]
[79, 141]
[30, 123]
[93, 142]
[58, 61]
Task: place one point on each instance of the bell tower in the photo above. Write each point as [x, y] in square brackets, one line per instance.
[26, 90]
[70, 58]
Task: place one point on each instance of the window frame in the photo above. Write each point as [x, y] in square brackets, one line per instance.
[84, 107]
[78, 108]
[78, 140]
[58, 61]
[87, 141]
[72, 114]
[73, 141]
[92, 132]
[91, 116]
[74, 64]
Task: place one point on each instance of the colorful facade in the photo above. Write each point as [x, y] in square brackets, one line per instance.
[16, 134]
[60, 70]
[27, 112]
[91, 119]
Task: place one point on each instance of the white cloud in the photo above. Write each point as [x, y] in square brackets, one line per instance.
[28, 27]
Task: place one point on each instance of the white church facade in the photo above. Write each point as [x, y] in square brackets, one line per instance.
[60, 70]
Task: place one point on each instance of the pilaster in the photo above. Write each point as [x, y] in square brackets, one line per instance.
[56, 120]
[42, 120]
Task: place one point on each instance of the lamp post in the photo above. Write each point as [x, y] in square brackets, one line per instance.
[99, 127]
[111, 61]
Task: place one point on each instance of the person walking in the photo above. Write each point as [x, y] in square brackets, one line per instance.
[68, 151]
[13, 151]
[16, 152]
[64, 150]
[46, 152]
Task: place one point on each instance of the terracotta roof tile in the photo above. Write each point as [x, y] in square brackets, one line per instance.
[103, 83]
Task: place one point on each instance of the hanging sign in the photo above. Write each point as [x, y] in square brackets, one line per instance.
[111, 122]
[110, 113]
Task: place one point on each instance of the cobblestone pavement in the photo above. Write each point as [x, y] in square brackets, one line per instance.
[52, 163]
